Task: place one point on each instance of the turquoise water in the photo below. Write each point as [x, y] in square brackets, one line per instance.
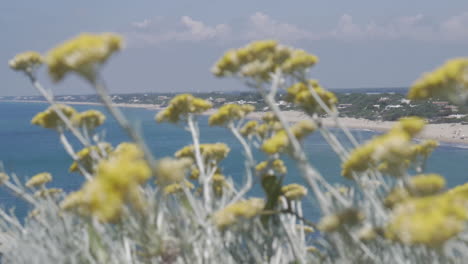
[26, 150]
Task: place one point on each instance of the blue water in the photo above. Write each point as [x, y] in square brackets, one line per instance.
[26, 150]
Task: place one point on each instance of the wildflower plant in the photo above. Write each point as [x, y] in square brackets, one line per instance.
[133, 208]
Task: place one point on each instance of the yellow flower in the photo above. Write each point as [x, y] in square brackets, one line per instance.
[72, 201]
[39, 179]
[411, 125]
[249, 128]
[48, 192]
[50, 119]
[26, 61]
[333, 222]
[211, 152]
[431, 220]
[279, 141]
[219, 182]
[116, 183]
[259, 59]
[89, 119]
[426, 184]
[182, 105]
[169, 170]
[194, 173]
[131, 150]
[449, 81]
[299, 60]
[269, 118]
[235, 212]
[3, 177]
[123, 170]
[101, 200]
[396, 196]
[369, 233]
[276, 166]
[299, 94]
[306, 229]
[294, 191]
[82, 55]
[425, 148]
[177, 187]
[228, 113]
[85, 157]
[389, 152]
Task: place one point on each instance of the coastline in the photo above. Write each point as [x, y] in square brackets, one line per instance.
[454, 133]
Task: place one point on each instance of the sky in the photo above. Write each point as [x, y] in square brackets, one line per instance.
[171, 45]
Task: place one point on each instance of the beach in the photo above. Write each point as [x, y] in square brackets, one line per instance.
[444, 132]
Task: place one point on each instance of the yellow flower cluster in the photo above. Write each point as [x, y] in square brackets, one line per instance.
[271, 167]
[3, 177]
[219, 182]
[169, 170]
[82, 54]
[389, 152]
[369, 233]
[294, 191]
[177, 187]
[89, 119]
[39, 180]
[182, 105]
[235, 212]
[425, 148]
[418, 186]
[270, 118]
[194, 173]
[26, 61]
[426, 184]
[249, 128]
[85, 157]
[48, 192]
[50, 119]
[449, 81]
[333, 222]
[116, 182]
[279, 141]
[210, 152]
[300, 94]
[228, 113]
[429, 220]
[261, 58]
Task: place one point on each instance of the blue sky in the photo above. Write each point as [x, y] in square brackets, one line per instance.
[171, 45]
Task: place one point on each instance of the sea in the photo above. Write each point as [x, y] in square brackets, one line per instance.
[26, 150]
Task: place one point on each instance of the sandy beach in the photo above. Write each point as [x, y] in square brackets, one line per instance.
[446, 132]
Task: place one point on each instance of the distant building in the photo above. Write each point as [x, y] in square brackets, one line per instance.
[440, 103]
[452, 108]
[342, 106]
[393, 106]
[162, 97]
[220, 100]
[456, 116]
[383, 99]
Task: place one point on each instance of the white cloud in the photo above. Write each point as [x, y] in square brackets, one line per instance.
[262, 26]
[142, 24]
[187, 30]
[456, 27]
[417, 27]
[197, 30]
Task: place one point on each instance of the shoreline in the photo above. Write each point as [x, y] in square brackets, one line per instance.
[454, 133]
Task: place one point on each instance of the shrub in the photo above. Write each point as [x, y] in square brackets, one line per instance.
[182, 209]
